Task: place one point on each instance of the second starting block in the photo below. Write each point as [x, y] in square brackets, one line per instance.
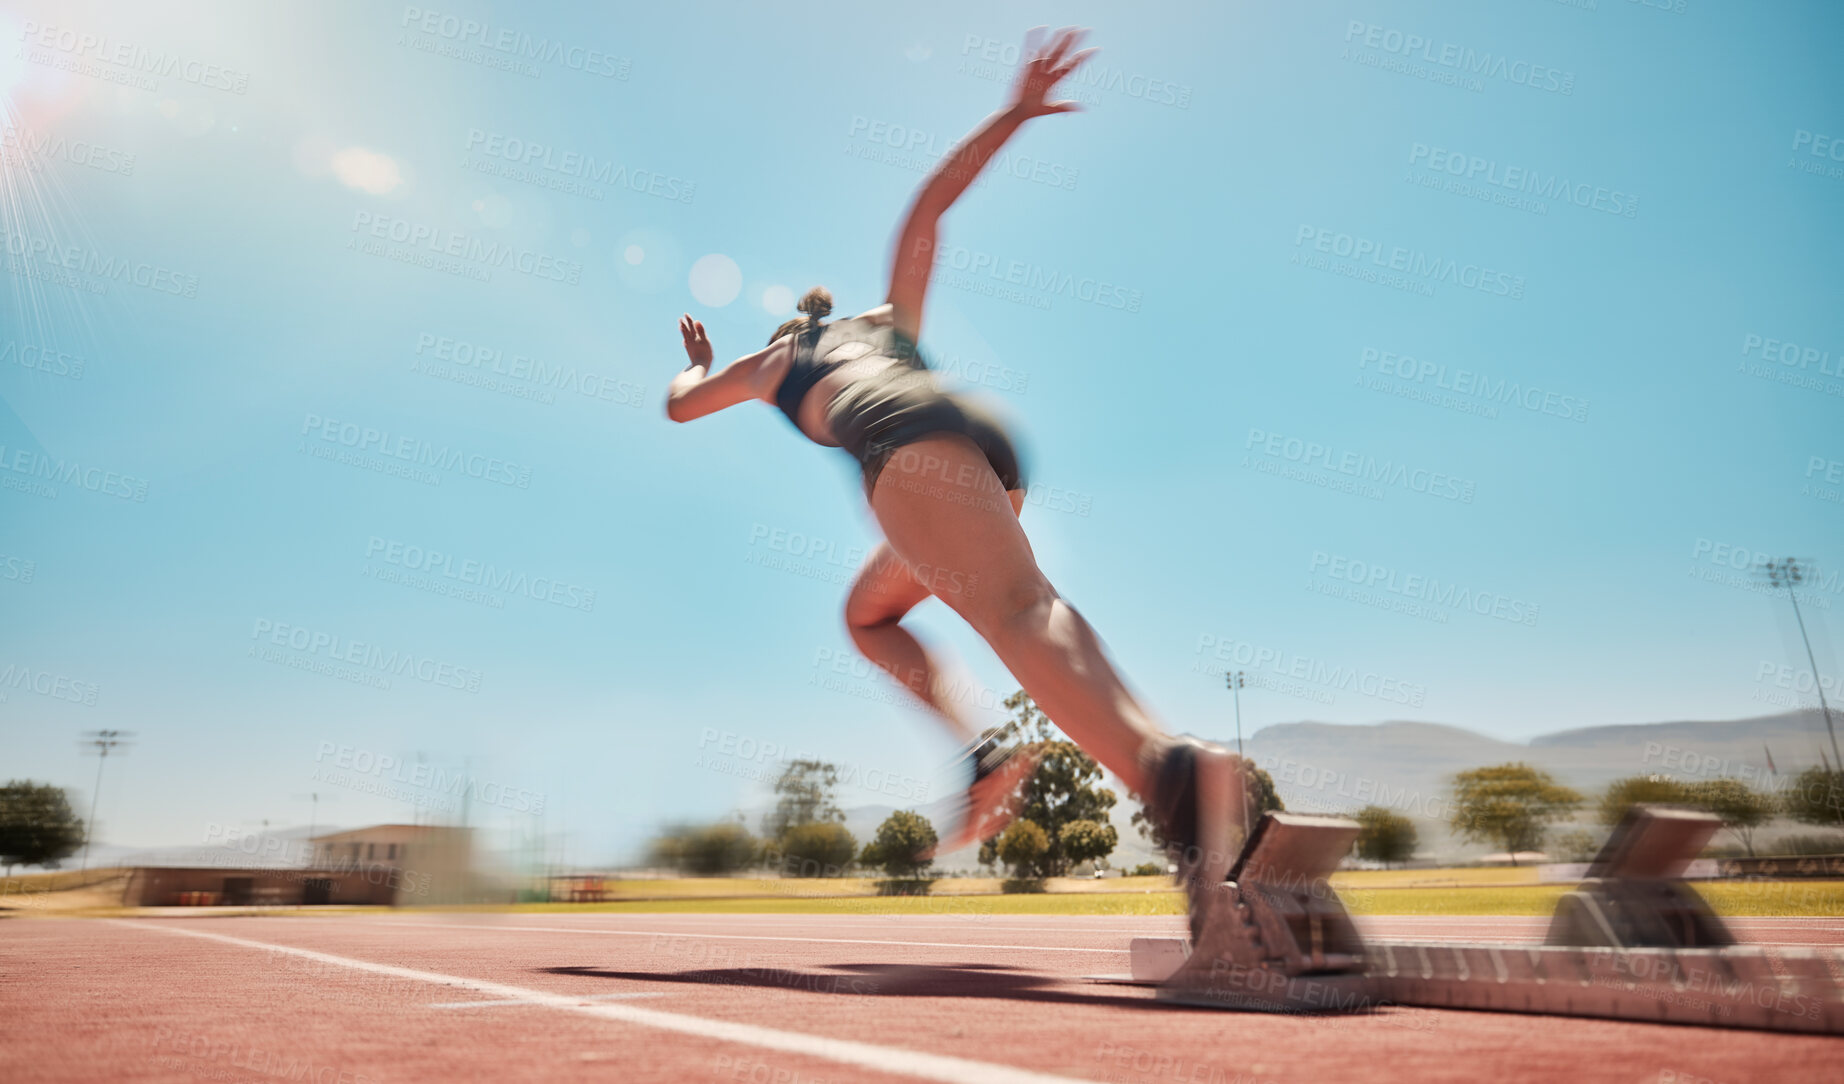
[1632, 942]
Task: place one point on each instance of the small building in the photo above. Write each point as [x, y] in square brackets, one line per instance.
[403, 846]
[384, 865]
[232, 886]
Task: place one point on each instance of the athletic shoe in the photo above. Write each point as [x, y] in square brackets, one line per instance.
[992, 798]
[1196, 803]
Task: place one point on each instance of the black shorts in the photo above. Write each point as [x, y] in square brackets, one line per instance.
[875, 416]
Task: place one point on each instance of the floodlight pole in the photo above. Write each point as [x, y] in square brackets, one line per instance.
[1236, 679]
[1788, 574]
[313, 826]
[102, 741]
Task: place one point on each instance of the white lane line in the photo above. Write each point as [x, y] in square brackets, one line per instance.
[515, 1001]
[699, 934]
[1172, 921]
[881, 1059]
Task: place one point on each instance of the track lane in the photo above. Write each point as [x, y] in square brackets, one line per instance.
[987, 995]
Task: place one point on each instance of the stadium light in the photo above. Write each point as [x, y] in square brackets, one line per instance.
[102, 741]
[1236, 679]
[1787, 573]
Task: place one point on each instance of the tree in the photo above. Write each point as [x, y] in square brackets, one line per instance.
[1580, 845]
[1741, 807]
[1259, 786]
[1061, 790]
[1023, 845]
[1509, 804]
[1028, 723]
[37, 825]
[707, 850]
[1624, 794]
[1816, 797]
[1087, 841]
[1387, 835]
[989, 852]
[803, 796]
[901, 841]
[816, 849]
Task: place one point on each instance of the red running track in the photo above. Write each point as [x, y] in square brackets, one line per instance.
[761, 999]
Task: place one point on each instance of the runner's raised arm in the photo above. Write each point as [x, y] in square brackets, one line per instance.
[915, 244]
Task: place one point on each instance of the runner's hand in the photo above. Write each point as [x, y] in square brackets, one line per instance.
[1046, 67]
[697, 343]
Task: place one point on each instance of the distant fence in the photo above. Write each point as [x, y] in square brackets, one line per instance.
[1777, 867]
[1804, 865]
[1550, 873]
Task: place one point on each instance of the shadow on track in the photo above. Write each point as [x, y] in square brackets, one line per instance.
[883, 980]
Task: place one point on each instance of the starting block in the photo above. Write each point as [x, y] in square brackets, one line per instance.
[1632, 896]
[1274, 936]
[1633, 942]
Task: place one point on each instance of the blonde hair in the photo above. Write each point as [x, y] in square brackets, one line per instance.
[815, 303]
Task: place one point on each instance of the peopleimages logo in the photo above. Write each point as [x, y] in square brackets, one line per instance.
[536, 378]
[482, 574]
[365, 439]
[1368, 471]
[515, 44]
[1730, 555]
[385, 768]
[29, 464]
[1524, 180]
[41, 359]
[1745, 568]
[1033, 277]
[1796, 679]
[1792, 355]
[84, 261]
[577, 166]
[366, 661]
[1410, 262]
[849, 561]
[1425, 588]
[1470, 385]
[46, 683]
[772, 756]
[1819, 145]
[1229, 651]
[930, 147]
[424, 240]
[1459, 58]
[29, 145]
[104, 49]
[994, 54]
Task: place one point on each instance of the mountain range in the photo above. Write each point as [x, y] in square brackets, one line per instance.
[1408, 766]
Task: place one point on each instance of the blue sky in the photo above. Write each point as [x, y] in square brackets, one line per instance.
[1425, 361]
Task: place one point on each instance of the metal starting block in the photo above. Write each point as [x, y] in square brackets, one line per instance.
[1274, 936]
[1633, 942]
[1633, 897]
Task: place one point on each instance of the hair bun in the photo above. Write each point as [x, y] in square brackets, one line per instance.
[816, 302]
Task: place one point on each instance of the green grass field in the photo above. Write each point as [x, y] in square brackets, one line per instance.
[1459, 891]
[668, 890]
[1387, 892]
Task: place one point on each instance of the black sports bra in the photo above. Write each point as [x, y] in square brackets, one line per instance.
[815, 350]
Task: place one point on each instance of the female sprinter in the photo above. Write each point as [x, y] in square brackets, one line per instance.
[945, 485]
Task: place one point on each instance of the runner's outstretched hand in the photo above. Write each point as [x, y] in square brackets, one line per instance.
[1044, 68]
[697, 343]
